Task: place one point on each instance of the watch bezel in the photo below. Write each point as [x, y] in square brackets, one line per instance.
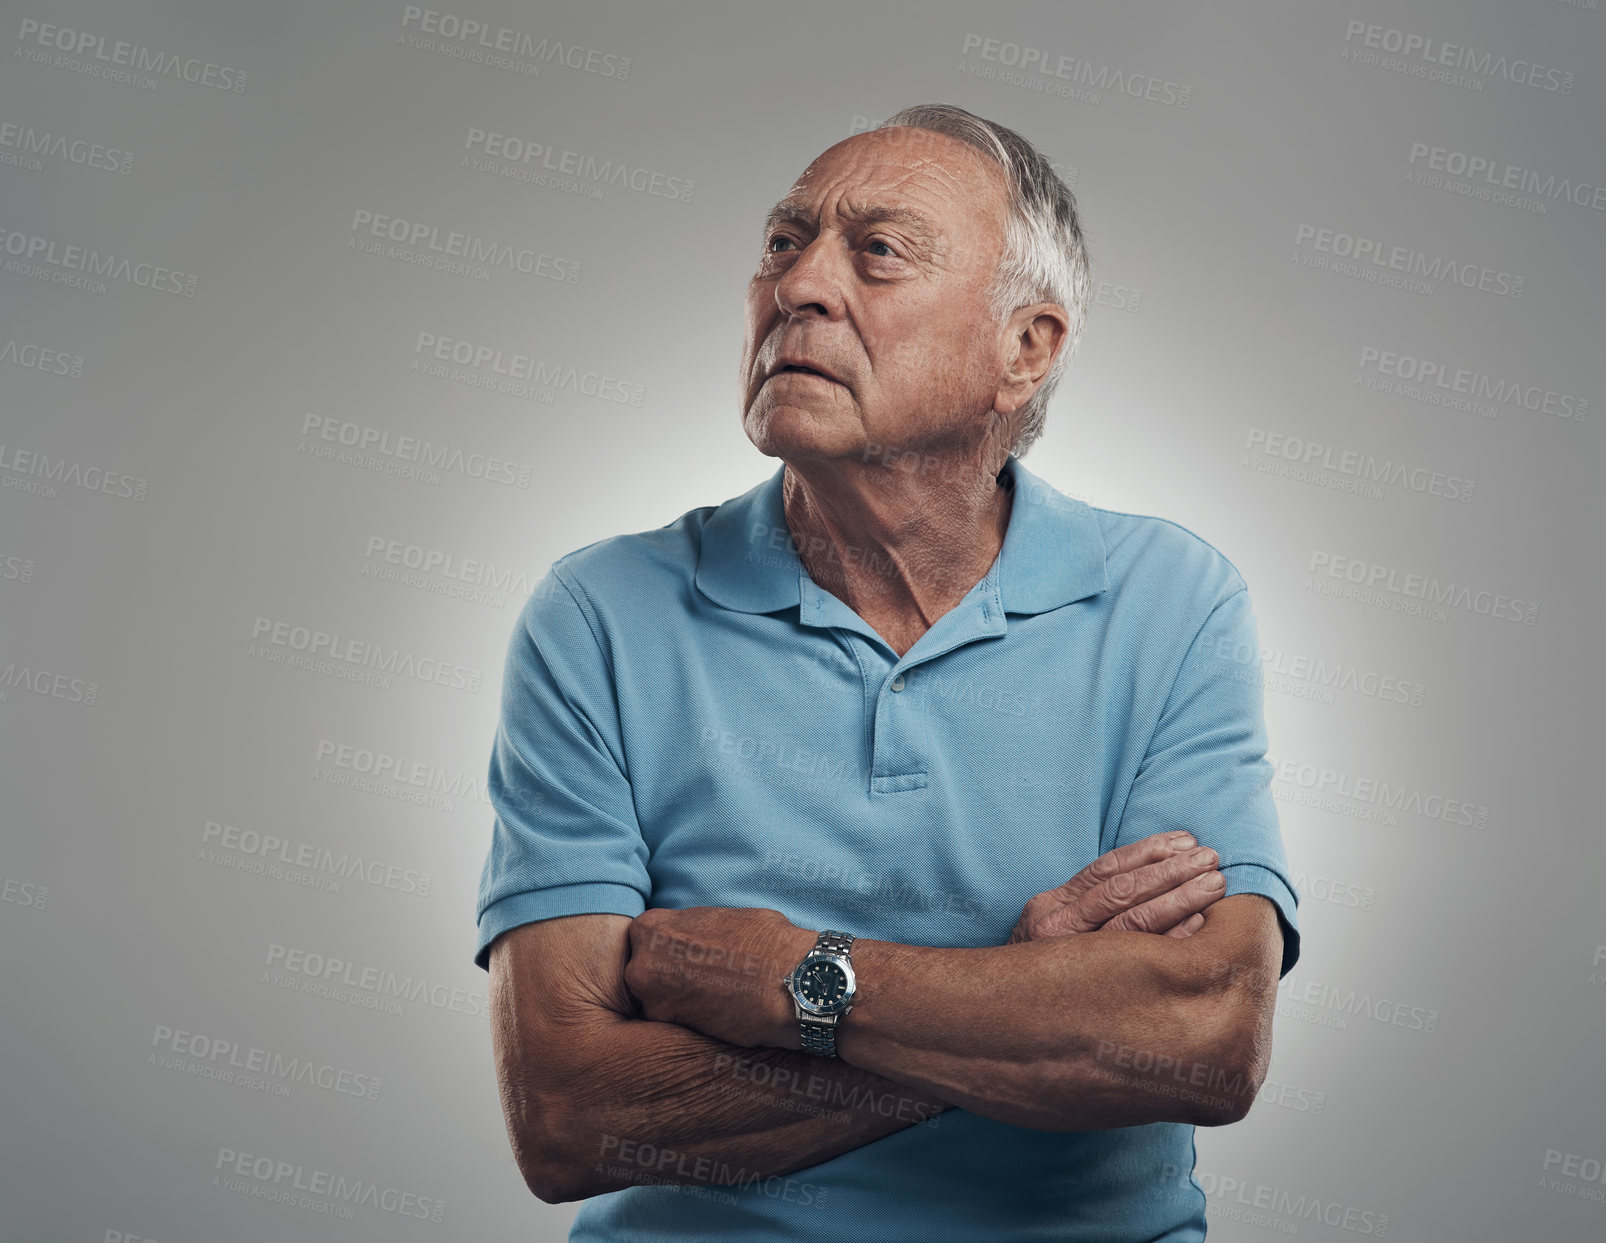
[834, 1007]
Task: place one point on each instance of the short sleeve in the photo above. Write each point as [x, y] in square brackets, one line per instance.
[1206, 768]
[565, 840]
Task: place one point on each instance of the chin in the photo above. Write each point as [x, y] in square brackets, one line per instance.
[789, 430]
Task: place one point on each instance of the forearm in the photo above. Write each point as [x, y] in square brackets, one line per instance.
[1087, 1032]
[658, 1103]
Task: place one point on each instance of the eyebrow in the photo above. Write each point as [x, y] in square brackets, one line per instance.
[790, 211]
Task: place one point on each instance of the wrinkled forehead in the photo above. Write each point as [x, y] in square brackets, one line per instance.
[938, 176]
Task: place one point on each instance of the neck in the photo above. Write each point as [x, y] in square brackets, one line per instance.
[900, 547]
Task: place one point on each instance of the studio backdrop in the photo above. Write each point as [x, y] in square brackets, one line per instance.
[325, 329]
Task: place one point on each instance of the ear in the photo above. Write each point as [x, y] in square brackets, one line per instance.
[1032, 339]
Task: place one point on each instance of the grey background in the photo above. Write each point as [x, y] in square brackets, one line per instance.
[116, 923]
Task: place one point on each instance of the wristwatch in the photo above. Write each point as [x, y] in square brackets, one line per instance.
[823, 989]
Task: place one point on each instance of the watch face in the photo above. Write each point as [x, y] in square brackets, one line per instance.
[822, 985]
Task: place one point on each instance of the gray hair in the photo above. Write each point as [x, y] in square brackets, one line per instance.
[1045, 258]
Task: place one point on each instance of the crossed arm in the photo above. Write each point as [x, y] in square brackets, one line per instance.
[663, 1049]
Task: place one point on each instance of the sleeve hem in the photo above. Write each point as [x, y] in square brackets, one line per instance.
[586, 898]
[1257, 878]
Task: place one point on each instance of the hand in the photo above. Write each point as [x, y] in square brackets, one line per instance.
[717, 970]
[1160, 884]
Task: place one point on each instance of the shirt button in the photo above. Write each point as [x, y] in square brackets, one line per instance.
[897, 683]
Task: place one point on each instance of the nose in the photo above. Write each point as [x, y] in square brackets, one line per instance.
[812, 283]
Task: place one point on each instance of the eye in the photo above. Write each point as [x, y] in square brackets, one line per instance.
[890, 253]
[769, 246]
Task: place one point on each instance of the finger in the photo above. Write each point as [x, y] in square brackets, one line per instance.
[1125, 890]
[1039, 921]
[1152, 849]
[1171, 909]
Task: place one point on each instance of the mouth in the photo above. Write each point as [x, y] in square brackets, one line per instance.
[802, 369]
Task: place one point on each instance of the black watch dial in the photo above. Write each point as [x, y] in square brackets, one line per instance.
[822, 984]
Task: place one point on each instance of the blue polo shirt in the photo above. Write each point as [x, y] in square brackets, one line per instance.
[688, 719]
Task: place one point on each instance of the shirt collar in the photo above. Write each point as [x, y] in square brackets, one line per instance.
[1053, 551]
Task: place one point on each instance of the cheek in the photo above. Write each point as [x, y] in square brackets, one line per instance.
[939, 375]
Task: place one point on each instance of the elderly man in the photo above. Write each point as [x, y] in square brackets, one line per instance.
[887, 852]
